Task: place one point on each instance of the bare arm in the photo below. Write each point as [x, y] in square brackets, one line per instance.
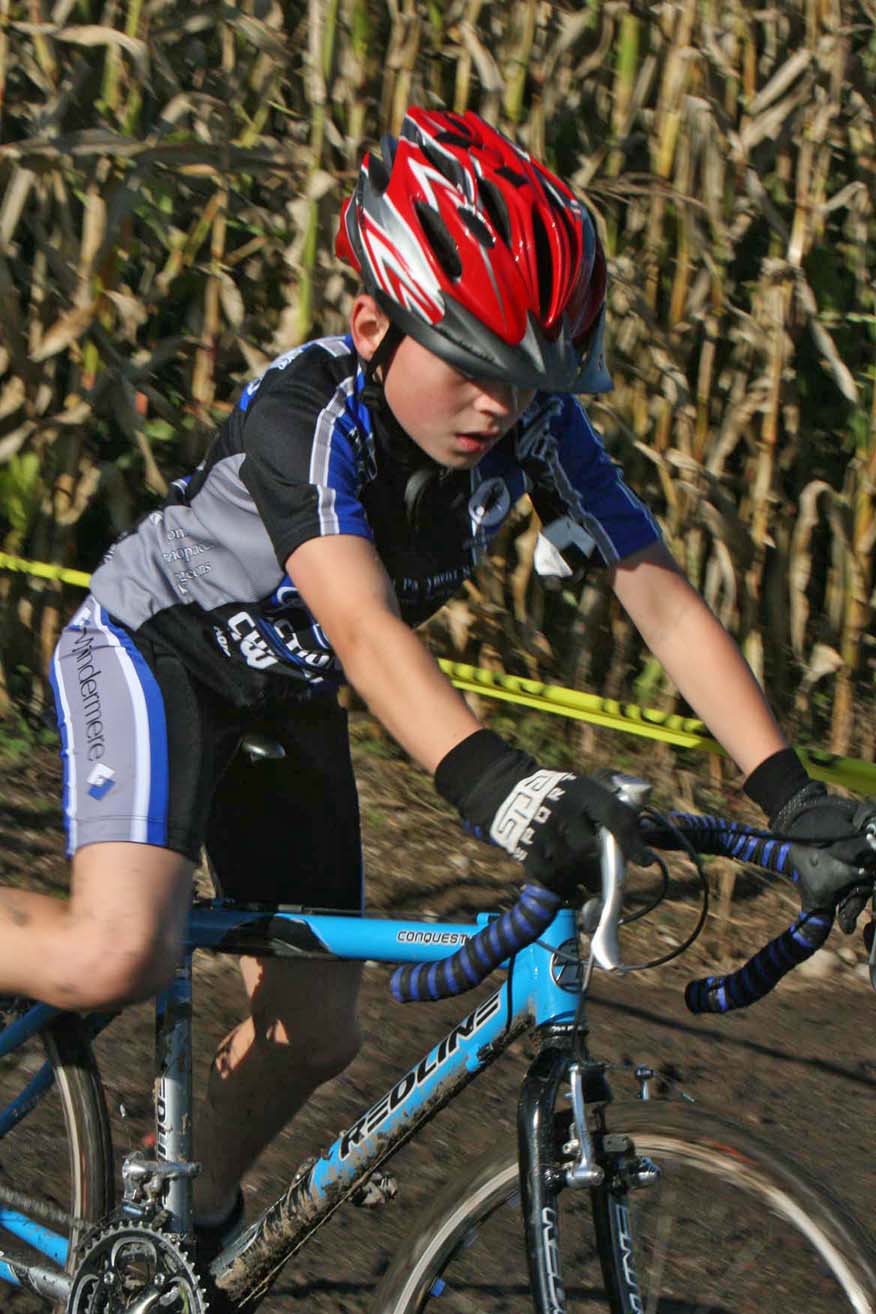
[698, 654]
[344, 584]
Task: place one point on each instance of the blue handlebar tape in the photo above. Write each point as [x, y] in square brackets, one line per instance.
[765, 969]
[468, 966]
[721, 994]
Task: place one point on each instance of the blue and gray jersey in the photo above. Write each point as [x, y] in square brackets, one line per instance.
[303, 455]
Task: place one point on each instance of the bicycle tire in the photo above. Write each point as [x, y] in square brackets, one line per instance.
[798, 1249]
[60, 1154]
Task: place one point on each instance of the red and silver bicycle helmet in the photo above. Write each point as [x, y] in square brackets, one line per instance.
[480, 254]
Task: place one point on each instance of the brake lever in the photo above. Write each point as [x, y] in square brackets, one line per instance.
[604, 944]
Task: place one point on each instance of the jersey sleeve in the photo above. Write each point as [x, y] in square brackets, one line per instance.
[579, 492]
[299, 463]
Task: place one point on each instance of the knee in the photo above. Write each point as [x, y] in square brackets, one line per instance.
[126, 969]
[322, 1053]
[335, 1052]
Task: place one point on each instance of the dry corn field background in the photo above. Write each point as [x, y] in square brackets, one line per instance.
[170, 177]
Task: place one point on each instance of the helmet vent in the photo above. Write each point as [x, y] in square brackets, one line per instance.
[512, 176]
[475, 225]
[544, 265]
[445, 164]
[453, 139]
[497, 211]
[441, 243]
[378, 174]
[562, 217]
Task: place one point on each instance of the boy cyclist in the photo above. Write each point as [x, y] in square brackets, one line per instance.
[348, 496]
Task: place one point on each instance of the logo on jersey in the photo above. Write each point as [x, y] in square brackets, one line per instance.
[253, 648]
[220, 638]
[490, 503]
[101, 781]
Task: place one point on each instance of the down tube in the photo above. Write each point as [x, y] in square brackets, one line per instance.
[250, 1263]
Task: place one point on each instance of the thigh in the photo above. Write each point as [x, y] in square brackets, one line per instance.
[142, 743]
[287, 830]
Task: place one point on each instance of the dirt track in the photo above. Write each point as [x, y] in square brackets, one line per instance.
[799, 1067]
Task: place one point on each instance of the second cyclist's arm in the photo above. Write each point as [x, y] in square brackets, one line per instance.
[345, 586]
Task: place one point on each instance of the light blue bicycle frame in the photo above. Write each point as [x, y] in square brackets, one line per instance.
[542, 988]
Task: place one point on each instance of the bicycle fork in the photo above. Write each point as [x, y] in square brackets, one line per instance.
[597, 1161]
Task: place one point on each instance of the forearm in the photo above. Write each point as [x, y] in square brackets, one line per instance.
[348, 591]
[712, 676]
[699, 656]
[405, 690]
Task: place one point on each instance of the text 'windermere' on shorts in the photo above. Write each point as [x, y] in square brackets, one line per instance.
[150, 756]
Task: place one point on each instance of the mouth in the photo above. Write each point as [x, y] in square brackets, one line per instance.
[475, 440]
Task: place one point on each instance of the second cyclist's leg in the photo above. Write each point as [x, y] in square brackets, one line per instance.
[285, 830]
[302, 1031]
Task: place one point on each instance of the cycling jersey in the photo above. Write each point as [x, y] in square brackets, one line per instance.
[304, 455]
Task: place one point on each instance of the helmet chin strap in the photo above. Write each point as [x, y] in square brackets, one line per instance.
[374, 396]
[425, 473]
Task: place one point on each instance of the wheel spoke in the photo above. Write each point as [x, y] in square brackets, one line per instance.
[55, 1160]
[727, 1229]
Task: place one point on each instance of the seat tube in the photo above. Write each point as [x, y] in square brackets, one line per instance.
[173, 1091]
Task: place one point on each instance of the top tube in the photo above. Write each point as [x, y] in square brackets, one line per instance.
[290, 932]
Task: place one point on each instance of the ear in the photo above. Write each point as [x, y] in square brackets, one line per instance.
[368, 324]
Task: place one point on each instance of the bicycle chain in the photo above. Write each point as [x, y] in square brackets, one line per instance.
[135, 1267]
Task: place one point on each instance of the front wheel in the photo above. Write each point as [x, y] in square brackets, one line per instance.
[728, 1228]
[56, 1162]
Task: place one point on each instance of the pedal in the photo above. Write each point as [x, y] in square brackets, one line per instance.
[376, 1192]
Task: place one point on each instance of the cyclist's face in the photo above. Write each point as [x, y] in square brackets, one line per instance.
[453, 418]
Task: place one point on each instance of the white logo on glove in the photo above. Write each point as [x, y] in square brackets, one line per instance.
[524, 808]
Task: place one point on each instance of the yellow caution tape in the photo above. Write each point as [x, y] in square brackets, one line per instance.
[647, 722]
[44, 571]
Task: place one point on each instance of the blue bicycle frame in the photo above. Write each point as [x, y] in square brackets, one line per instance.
[542, 988]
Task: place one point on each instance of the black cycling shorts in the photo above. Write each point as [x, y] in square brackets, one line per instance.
[151, 755]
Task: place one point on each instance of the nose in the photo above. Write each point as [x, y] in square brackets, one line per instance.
[497, 398]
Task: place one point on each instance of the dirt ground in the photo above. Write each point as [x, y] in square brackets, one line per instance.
[799, 1067]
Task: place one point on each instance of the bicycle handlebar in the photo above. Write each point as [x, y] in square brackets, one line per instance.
[765, 969]
[523, 922]
[533, 912]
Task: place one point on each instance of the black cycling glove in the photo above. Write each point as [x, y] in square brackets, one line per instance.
[834, 861]
[838, 865]
[546, 819]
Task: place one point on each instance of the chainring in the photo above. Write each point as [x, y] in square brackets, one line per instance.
[131, 1267]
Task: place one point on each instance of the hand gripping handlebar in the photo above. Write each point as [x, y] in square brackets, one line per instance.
[764, 970]
[523, 923]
